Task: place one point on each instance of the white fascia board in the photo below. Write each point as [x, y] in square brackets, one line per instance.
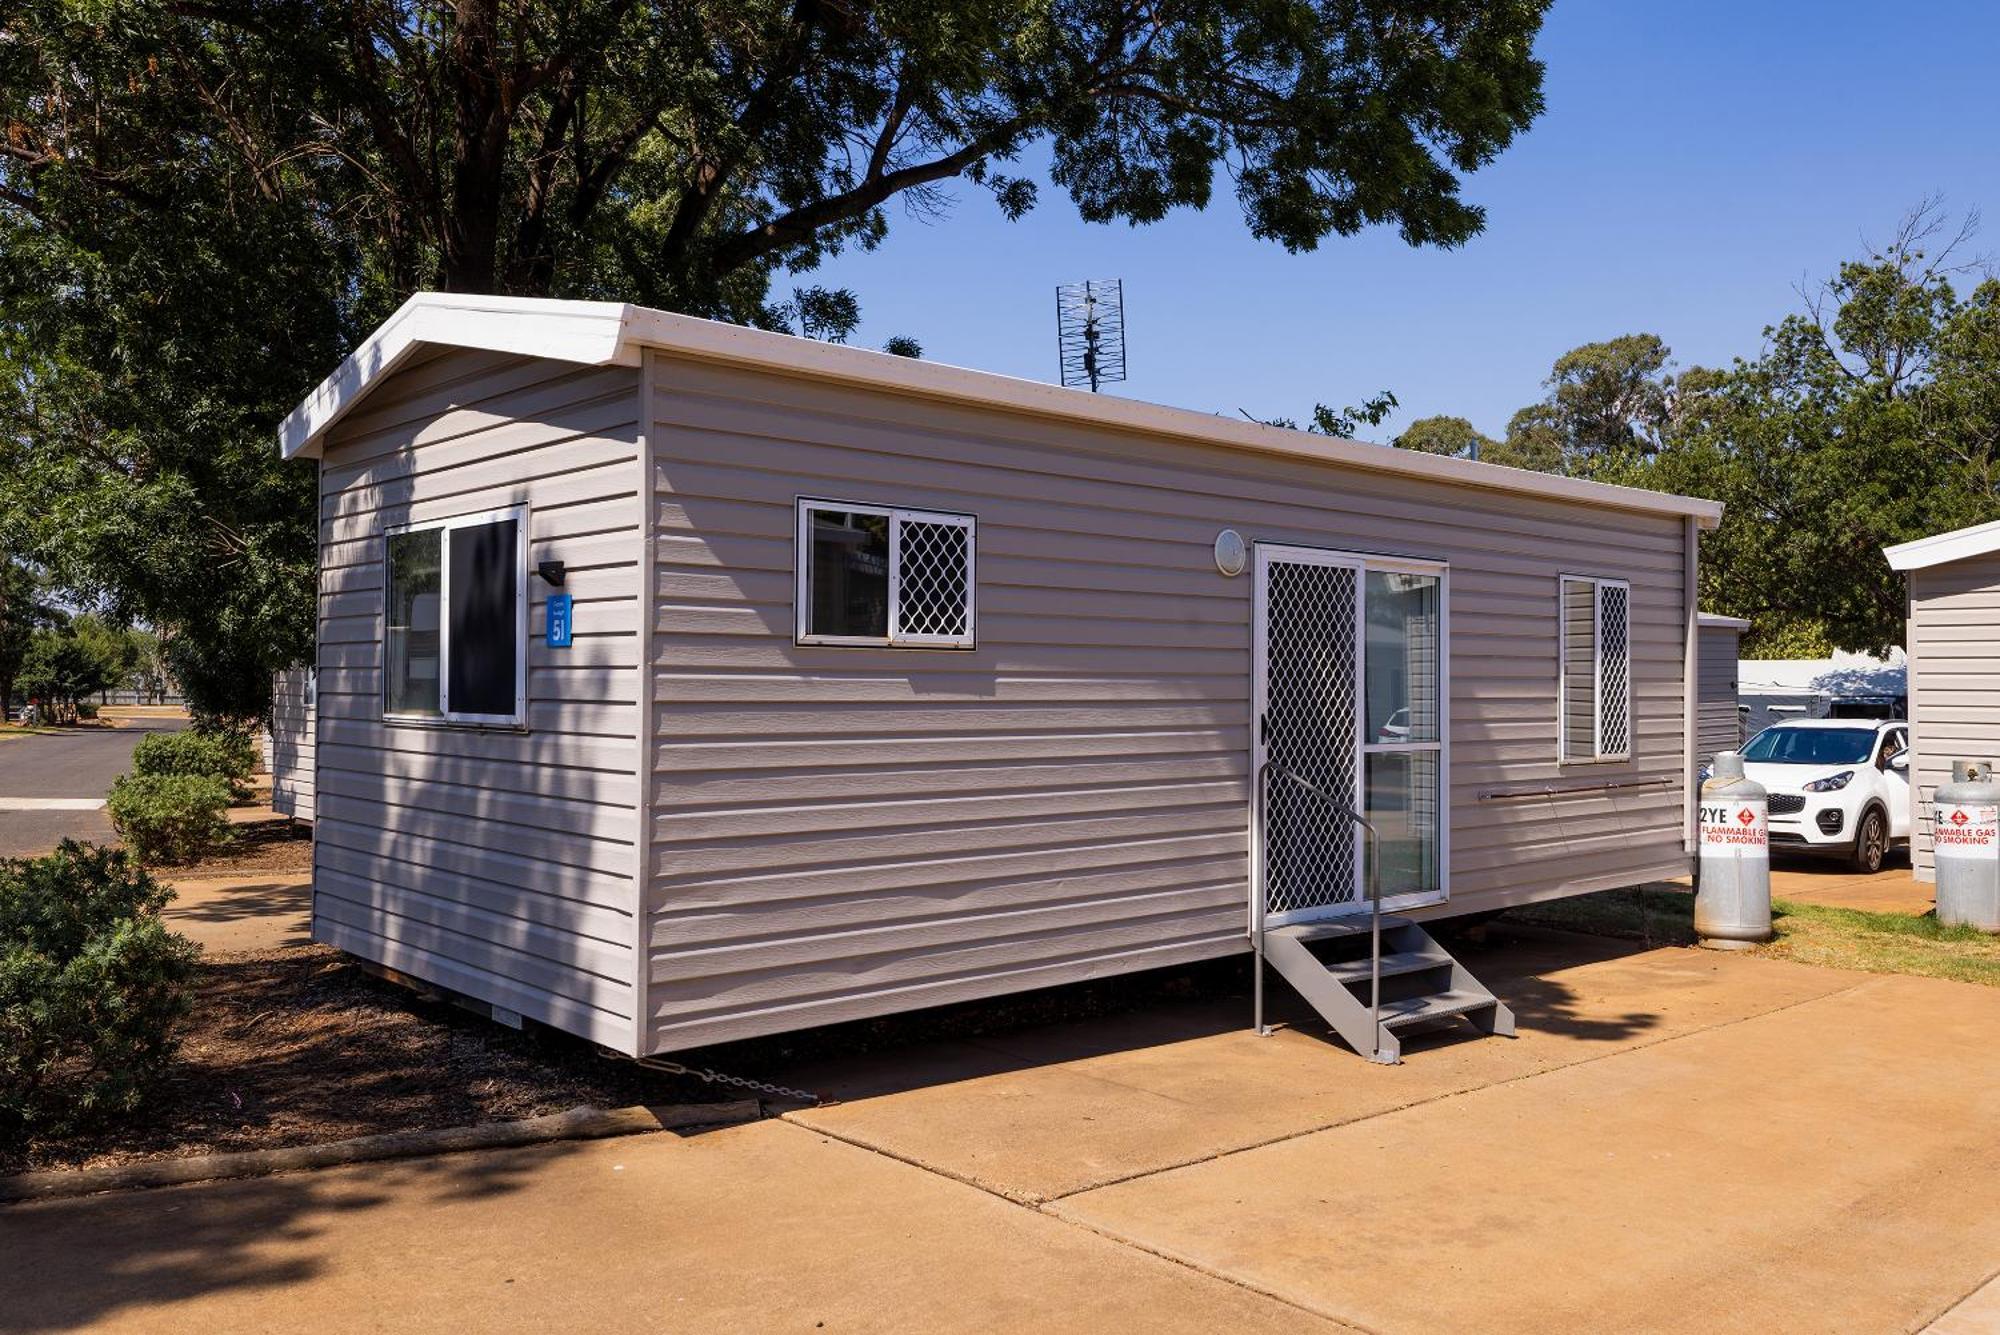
[1936, 550]
[593, 333]
[1719, 621]
[609, 333]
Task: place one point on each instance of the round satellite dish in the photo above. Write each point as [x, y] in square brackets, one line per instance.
[1230, 553]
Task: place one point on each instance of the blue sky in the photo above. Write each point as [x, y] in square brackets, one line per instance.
[1696, 163]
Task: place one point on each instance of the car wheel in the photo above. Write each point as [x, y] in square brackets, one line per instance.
[1871, 842]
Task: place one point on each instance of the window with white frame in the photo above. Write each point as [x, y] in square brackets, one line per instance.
[455, 619]
[879, 575]
[1595, 714]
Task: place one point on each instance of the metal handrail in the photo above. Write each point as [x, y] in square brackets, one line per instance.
[1372, 855]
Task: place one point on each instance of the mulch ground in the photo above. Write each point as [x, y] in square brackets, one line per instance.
[273, 845]
[301, 1046]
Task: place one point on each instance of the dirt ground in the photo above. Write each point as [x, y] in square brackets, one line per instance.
[300, 1046]
[263, 843]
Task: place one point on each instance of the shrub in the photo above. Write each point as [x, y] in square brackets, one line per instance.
[170, 817]
[92, 986]
[231, 755]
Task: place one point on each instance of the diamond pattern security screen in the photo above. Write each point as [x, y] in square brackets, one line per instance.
[933, 583]
[1614, 670]
[876, 575]
[1311, 723]
[1596, 654]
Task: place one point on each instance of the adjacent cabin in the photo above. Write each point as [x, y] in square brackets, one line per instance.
[1719, 715]
[289, 745]
[1845, 685]
[679, 682]
[1954, 664]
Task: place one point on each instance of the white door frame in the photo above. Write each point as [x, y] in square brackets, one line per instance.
[1362, 563]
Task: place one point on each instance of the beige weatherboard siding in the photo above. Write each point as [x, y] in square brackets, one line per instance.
[1954, 665]
[709, 829]
[289, 751]
[494, 861]
[1719, 725]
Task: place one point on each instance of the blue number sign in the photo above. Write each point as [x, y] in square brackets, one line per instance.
[558, 621]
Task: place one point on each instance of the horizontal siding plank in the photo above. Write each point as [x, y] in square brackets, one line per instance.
[496, 862]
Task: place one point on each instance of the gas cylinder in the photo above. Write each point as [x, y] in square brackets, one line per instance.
[1965, 836]
[1732, 903]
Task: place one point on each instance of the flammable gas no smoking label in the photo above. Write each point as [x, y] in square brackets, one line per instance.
[1966, 831]
[1740, 823]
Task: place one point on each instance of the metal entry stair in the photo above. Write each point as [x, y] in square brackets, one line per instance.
[1422, 984]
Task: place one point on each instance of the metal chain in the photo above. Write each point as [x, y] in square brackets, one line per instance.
[707, 1076]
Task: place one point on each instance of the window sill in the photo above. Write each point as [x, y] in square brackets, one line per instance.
[438, 722]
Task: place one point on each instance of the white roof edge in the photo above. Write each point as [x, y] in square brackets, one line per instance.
[594, 333]
[1979, 540]
[609, 333]
[1717, 619]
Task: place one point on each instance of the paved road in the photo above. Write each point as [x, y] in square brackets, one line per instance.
[66, 767]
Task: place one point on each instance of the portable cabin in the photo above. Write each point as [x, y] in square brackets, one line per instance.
[680, 682]
[1844, 685]
[1954, 664]
[290, 743]
[1720, 715]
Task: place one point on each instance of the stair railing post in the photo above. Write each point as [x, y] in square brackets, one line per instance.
[1258, 799]
[1372, 850]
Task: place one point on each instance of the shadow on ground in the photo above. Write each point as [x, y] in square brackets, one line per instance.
[93, 1258]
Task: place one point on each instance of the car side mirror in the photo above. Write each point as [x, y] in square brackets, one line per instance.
[1900, 762]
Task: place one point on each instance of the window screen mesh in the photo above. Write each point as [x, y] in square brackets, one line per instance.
[933, 594]
[1614, 670]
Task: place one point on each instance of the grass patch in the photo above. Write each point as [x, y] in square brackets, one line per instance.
[1807, 933]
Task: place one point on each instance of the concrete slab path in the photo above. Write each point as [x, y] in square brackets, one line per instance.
[1681, 1141]
[256, 911]
[761, 1228]
[1891, 890]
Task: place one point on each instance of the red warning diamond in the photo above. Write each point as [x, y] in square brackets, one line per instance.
[1959, 817]
[1746, 816]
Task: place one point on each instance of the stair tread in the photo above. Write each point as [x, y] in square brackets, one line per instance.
[1436, 1006]
[1394, 963]
[1331, 929]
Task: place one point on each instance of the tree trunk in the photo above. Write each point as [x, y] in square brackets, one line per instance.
[471, 231]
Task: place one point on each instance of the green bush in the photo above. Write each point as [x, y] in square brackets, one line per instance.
[232, 755]
[92, 986]
[170, 817]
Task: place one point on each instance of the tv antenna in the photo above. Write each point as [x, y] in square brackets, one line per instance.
[1090, 332]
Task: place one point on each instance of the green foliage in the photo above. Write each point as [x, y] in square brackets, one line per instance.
[92, 986]
[63, 665]
[202, 207]
[228, 755]
[1341, 423]
[1870, 418]
[902, 345]
[1453, 437]
[170, 818]
[24, 609]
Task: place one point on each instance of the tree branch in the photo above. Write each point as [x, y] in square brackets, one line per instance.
[791, 228]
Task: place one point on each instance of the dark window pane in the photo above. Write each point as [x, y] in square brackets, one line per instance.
[485, 642]
[411, 622]
[847, 583]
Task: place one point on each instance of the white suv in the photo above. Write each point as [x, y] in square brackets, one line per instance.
[1836, 785]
